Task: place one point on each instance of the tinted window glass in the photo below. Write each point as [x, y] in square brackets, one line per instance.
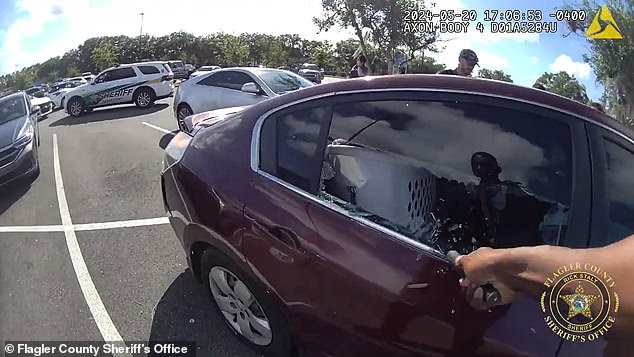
[11, 109]
[121, 73]
[619, 189]
[148, 69]
[227, 79]
[214, 79]
[439, 172]
[289, 147]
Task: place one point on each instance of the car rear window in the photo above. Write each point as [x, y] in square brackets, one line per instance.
[148, 70]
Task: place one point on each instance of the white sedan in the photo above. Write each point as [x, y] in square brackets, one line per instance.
[233, 87]
[203, 70]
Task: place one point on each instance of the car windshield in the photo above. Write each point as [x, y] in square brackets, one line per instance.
[206, 68]
[176, 64]
[311, 66]
[11, 108]
[282, 82]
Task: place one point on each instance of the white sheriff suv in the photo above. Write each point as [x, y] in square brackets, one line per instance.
[138, 83]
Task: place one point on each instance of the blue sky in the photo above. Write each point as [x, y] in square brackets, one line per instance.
[32, 31]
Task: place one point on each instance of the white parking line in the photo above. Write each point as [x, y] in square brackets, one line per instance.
[31, 229]
[87, 226]
[156, 127]
[107, 328]
[121, 224]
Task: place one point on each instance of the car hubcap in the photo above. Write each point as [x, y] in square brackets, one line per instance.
[75, 108]
[144, 99]
[239, 307]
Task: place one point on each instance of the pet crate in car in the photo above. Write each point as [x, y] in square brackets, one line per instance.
[383, 184]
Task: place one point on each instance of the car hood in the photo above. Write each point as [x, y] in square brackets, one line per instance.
[210, 117]
[40, 101]
[10, 129]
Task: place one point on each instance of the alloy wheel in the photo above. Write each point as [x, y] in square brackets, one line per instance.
[75, 108]
[239, 307]
[144, 99]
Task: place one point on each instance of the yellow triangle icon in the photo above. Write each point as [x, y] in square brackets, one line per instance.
[603, 26]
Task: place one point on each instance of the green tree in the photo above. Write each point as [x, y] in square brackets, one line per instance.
[565, 85]
[496, 74]
[611, 60]
[383, 21]
[103, 57]
[323, 56]
[234, 52]
[428, 65]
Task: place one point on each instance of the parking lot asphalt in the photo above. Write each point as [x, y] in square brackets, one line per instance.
[89, 275]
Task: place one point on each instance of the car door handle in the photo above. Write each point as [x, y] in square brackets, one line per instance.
[285, 236]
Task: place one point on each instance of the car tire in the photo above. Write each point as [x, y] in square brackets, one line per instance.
[144, 97]
[76, 107]
[218, 267]
[36, 172]
[183, 112]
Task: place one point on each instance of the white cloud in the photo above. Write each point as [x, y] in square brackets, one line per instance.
[450, 49]
[533, 59]
[83, 20]
[122, 17]
[565, 63]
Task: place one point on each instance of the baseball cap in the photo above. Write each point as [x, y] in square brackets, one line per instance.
[470, 56]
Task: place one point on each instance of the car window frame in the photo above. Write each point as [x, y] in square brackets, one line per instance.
[597, 135]
[122, 69]
[102, 74]
[228, 73]
[158, 71]
[321, 145]
[579, 222]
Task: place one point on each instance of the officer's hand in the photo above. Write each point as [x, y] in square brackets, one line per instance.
[480, 268]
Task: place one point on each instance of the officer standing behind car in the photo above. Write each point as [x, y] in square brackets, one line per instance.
[467, 60]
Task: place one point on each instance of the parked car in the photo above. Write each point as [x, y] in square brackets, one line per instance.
[78, 80]
[203, 70]
[87, 76]
[232, 87]
[139, 83]
[36, 92]
[311, 72]
[19, 138]
[190, 68]
[45, 104]
[320, 220]
[58, 93]
[178, 69]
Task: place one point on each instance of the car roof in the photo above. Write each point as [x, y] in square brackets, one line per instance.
[254, 70]
[142, 63]
[12, 95]
[457, 84]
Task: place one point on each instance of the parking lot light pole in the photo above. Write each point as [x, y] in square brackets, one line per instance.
[141, 32]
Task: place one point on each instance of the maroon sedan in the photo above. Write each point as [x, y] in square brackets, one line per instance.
[320, 220]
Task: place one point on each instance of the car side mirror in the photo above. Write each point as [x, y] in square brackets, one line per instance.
[35, 109]
[251, 88]
[93, 82]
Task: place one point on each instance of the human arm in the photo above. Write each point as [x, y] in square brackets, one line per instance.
[525, 269]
